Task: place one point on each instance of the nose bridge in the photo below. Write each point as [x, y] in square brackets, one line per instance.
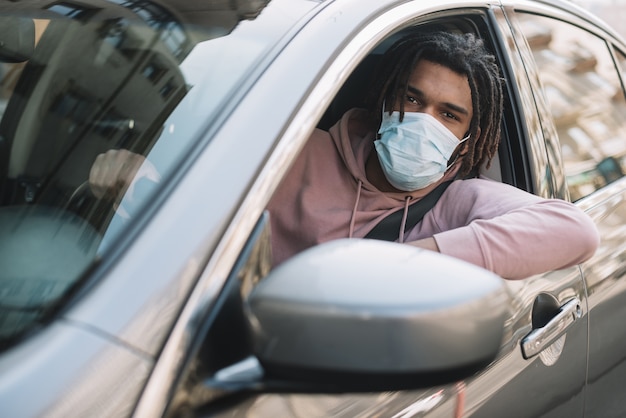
[429, 109]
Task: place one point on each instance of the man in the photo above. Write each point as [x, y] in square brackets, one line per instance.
[435, 116]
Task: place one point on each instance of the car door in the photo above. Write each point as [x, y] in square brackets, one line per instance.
[534, 373]
[579, 67]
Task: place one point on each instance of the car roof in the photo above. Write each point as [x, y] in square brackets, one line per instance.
[578, 10]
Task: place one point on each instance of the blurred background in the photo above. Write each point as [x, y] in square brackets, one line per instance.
[611, 11]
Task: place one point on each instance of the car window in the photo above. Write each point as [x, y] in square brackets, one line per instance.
[78, 81]
[586, 99]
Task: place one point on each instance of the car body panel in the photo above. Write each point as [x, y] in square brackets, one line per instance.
[76, 363]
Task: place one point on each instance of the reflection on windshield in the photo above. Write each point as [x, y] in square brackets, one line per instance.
[115, 74]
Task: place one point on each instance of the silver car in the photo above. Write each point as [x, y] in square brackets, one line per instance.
[164, 302]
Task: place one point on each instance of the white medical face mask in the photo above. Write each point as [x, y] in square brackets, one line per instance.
[414, 153]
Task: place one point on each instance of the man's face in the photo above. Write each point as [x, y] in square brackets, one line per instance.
[442, 93]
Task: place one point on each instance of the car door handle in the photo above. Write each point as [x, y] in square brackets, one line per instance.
[540, 338]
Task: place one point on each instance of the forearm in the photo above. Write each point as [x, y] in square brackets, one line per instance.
[425, 243]
[548, 235]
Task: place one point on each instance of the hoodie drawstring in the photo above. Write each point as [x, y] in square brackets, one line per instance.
[404, 216]
[356, 205]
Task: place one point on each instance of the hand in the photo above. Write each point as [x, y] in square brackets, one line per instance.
[112, 173]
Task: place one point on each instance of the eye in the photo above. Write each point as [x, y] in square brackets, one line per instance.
[412, 100]
[450, 115]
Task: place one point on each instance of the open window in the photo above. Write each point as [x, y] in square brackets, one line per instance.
[354, 92]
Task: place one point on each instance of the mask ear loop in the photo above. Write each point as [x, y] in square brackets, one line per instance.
[458, 154]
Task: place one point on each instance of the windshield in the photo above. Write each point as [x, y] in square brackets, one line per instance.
[78, 81]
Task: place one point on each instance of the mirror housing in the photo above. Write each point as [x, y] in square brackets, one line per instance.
[17, 39]
[365, 315]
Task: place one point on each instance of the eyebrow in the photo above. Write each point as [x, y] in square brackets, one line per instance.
[451, 106]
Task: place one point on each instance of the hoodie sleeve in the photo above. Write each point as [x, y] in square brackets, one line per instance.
[511, 232]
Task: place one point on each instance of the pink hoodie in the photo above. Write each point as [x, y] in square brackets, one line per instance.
[327, 196]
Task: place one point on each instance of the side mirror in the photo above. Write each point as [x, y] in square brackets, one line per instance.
[366, 315]
[17, 39]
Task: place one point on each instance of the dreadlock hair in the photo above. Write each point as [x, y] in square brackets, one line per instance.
[464, 54]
